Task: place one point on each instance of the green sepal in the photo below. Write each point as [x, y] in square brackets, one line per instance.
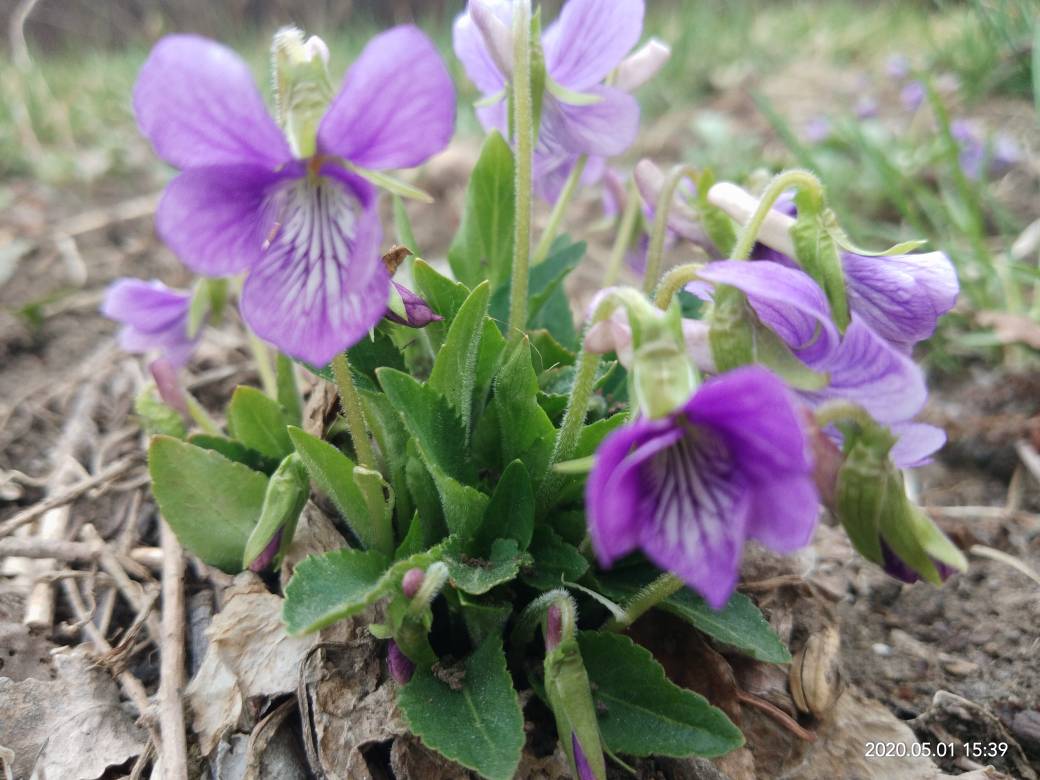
[570, 698]
[717, 223]
[388, 183]
[817, 253]
[287, 492]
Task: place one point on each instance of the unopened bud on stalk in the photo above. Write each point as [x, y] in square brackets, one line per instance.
[412, 581]
[400, 666]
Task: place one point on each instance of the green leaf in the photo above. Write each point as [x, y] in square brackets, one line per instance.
[454, 369]
[555, 561]
[372, 353]
[442, 443]
[333, 473]
[326, 588]
[392, 438]
[526, 431]
[236, 451]
[510, 515]
[483, 247]
[479, 575]
[478, 725]
[403, 226]
[432, 422]
[739, 624]
[642, 713]
[258, 422]
[545, 280]
[210, 502]
[483, 618]
[489, 360]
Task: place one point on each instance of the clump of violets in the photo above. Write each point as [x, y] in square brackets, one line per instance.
[290, 203]
[489, 477]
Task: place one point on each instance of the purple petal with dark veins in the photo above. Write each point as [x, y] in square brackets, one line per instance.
[197, 103]
[216, 219]
[901, 297]
[320, 286]
[396, 107]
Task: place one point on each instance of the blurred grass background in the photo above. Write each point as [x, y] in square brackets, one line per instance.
[752, 86]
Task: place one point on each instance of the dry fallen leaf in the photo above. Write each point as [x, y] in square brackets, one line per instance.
[249, 656]
[73, 727]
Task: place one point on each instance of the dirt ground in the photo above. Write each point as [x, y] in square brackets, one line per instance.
[978, 637]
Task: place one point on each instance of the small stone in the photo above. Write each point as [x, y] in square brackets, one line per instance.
[880, 648]
[959, 666]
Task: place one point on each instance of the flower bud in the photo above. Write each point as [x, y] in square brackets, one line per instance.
[581, 763]
[407, 308]
[882, 523]
[287, 492]
[412, 581]
[641, 66]
[553, 627]
[401, 667]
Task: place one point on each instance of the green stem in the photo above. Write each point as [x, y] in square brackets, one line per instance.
[354, 413]
[645, 600]
[200, 415]
[573, 420]
[655, 253]
[673, 281]
[268, 379]
[523, 124]
[624, 235]
[838, 411]
[803, 180]
[559, 210]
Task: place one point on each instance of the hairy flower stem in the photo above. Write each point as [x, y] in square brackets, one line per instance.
[838, 411]
[655, 253]
[263, 364]
[559, 210]
[354, 414]
[201, 416]
[645, 600]
[802, 180]
[673, 281]
[624, 235]
[523, 124]
[573, 420]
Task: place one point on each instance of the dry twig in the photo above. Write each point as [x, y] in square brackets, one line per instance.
[70, 494]
[171, 685]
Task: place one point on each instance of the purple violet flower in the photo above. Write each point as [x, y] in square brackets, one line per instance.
[897, 66]
[900, 297]
[690, 488]
[912, 95]
[305, 231]
[817, 130]
[153, 316]
[895, 566]
[589, 40]
[860, 365]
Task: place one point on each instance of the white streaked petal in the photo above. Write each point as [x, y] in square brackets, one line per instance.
[320, 285]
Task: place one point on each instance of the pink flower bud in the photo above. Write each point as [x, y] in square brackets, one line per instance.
[412, 581]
